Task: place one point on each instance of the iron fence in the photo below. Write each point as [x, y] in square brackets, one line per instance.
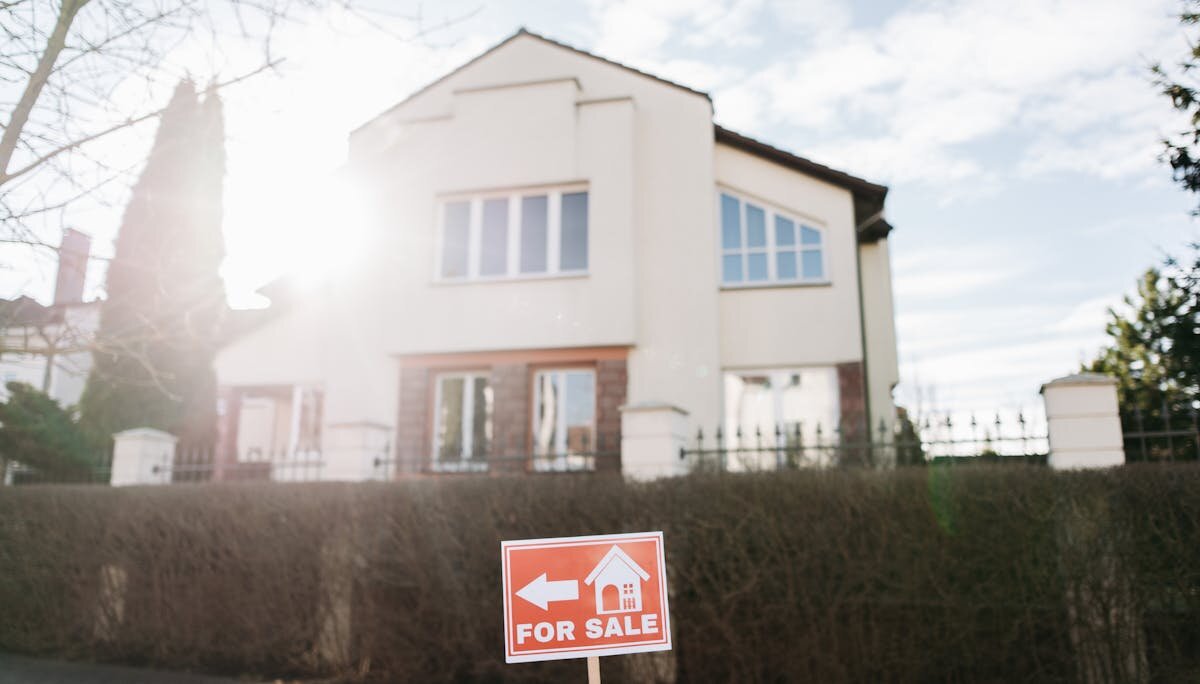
[514, 456]
[1161, 436]
[934, 439]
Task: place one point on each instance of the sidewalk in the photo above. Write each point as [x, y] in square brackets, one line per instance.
[22, 670]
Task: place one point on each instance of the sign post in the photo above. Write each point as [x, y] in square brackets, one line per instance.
[585, 597]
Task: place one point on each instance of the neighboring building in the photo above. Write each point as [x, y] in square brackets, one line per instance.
[560, 236]
[48, 346]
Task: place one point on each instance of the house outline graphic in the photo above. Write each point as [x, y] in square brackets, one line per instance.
[618, 570]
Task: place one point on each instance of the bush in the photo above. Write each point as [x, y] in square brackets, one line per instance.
[43, 435]
[928, 574]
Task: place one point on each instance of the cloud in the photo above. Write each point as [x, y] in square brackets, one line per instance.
[901, 100]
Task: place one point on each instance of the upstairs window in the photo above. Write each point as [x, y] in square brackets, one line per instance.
[512, 235]
[763, 246]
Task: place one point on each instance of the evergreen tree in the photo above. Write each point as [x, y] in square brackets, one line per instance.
[1179, 83]
[160, 322]
[37, 432]
[1155, 348]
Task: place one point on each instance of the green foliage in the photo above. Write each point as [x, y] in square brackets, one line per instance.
[35, 431]
[1179, 84]
[161, 320]
[1155, 348]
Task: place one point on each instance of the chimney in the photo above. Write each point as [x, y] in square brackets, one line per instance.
[72, 267]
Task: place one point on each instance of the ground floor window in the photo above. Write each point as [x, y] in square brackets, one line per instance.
[462, 433]
[781, 416]
[564, 418]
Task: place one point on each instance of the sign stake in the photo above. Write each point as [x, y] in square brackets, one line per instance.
[593, 669]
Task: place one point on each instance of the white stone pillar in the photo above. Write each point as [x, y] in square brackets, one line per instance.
[142, 456]
[653, 435]
[350, 451]
[1084, 422]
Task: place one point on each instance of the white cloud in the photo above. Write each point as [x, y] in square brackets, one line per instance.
[902, 99]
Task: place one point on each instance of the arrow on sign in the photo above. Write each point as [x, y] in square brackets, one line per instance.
[541, 591]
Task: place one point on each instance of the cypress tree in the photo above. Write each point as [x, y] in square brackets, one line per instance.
[159, 325]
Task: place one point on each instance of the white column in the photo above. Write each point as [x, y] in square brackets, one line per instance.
[350, 450]
[652, 437]
[142, 456]
[1084, 422]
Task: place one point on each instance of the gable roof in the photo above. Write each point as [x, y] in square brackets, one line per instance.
[868, 196]
[549, 41]
[615, 553]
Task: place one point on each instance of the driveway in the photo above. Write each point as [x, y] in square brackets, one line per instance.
[22, 670]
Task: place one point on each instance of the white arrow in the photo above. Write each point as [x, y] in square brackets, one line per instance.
[541, 592]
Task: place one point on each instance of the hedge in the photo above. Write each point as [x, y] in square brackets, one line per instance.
[918, 575]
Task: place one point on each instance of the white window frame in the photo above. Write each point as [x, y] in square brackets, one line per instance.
[554, 268]
[560, 457]
[772, 250]
[466, 426]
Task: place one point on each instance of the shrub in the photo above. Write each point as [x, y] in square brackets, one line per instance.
[918, 575]
[42, 434]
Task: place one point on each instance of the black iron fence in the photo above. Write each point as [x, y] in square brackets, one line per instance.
[515, 456]
[942, 439]
[1161, 436]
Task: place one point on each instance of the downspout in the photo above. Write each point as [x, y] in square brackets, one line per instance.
[862, 332]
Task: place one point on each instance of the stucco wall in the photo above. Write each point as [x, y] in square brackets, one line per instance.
[883, 365]
[798, 325]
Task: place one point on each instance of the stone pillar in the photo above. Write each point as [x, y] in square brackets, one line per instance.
[1084, 422]
[412, 425]
[351, 451]
[142, 456]
[653, 435]
[852, 407]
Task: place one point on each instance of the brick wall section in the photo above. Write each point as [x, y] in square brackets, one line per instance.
[611, 383]
[412, 425]
[510, 416]
[853, 410]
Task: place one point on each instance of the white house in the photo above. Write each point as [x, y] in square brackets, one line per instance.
[555, 237]
[48, 346]
[617, 580]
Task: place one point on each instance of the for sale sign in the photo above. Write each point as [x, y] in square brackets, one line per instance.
[574, 597]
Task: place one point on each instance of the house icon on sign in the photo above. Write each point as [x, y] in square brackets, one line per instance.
[618, 581]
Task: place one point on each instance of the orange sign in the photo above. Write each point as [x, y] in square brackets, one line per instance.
[574, 597]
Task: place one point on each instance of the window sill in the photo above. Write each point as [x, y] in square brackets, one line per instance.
[523, 278]
[776, 285]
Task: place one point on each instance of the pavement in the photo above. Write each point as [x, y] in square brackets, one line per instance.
[23, 670]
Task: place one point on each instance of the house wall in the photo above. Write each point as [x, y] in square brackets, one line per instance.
[645, 151]
[883, 366]
[796, 325]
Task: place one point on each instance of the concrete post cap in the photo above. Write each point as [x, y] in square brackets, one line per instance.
[1080, 379]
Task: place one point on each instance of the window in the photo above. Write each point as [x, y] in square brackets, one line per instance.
[802, 403]
[564, 418]
[760, 246]
[511, 235]
[462, 431]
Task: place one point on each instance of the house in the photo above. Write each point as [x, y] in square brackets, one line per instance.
[617, 579]
[559, 243]
[48, 346]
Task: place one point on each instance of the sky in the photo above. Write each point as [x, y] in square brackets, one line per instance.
[1019, 140]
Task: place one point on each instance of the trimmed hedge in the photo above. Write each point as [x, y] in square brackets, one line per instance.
[920, 575]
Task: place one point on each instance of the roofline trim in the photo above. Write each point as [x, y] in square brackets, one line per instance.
[526, 32]
[798, 163]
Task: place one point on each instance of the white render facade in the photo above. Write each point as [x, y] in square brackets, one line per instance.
[555, 237]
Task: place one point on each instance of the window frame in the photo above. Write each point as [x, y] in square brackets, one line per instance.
[564, 458]
[466, 427]
[772, 250]
[514, 196]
